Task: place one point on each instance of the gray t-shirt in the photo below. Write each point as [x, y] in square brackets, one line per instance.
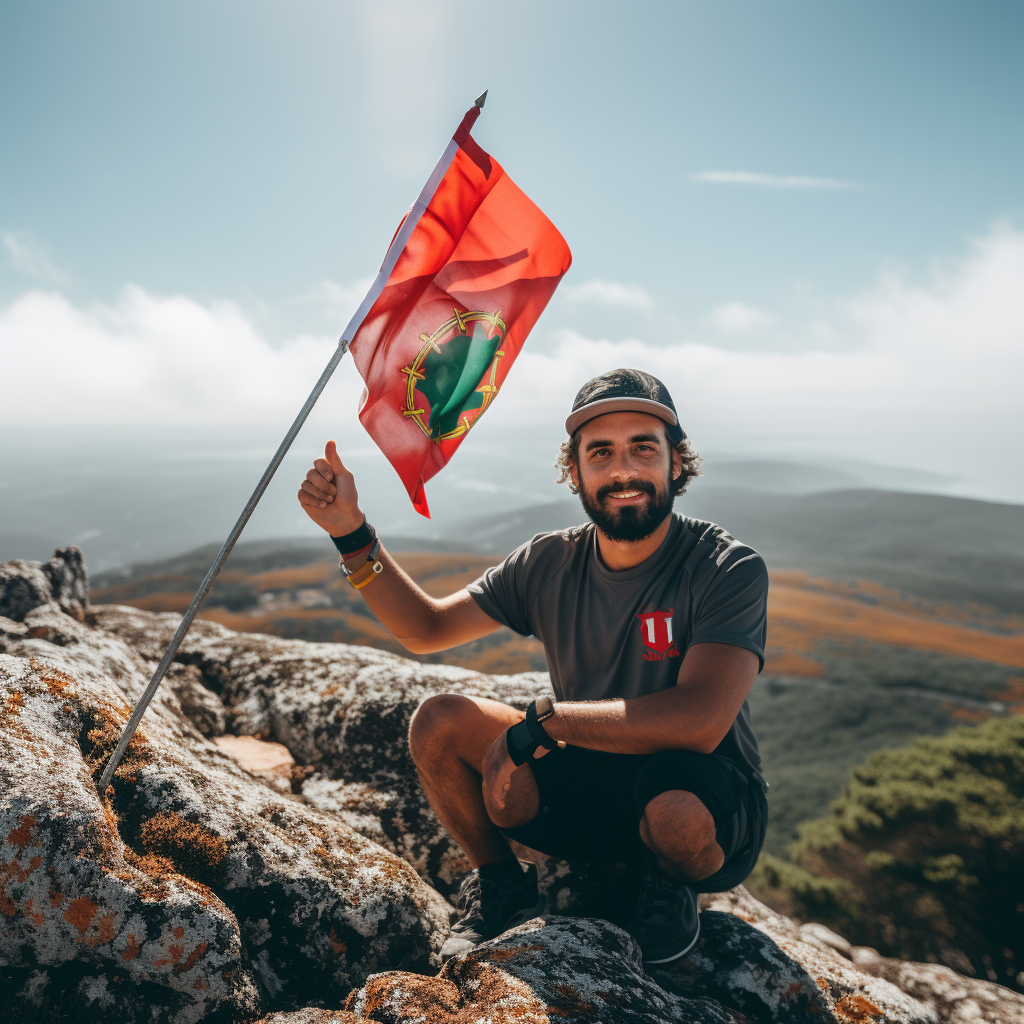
[623, 634]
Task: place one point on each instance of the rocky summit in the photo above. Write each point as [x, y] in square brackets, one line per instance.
[264, 853]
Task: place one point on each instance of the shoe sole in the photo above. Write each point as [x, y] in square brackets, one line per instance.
[682, 952]
[520, 917]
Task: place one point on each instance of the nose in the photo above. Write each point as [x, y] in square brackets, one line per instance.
[622, 467]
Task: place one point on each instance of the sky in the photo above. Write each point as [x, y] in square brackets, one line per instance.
[806, 218]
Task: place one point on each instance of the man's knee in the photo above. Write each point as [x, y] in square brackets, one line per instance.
[522, 801]
[434, 724]
[676, 825]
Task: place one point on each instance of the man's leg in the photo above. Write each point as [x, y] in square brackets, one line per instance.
[448, 737]
[680, 830]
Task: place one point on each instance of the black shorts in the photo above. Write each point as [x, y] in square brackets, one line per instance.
[591, 803]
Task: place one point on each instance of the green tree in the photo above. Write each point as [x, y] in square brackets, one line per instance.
[923, 855]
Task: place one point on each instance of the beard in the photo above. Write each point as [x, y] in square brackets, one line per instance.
[631, 522]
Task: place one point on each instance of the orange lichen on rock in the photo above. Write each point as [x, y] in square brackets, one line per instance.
[855, 1009]
[57, 681]
[21, 835]
[336, 944]
[192, 959]
[131, 950]
[80, 913]
[32, 914]
[192, 848]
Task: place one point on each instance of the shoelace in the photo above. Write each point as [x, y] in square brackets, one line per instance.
[471, 890]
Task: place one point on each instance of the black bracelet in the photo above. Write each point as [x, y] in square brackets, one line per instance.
[356, 540]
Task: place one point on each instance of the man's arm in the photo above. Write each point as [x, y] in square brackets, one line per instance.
[695, 714]
[421, 623]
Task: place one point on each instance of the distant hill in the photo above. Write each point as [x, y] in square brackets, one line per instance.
[928, 545]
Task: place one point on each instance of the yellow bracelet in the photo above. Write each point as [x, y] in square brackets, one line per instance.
[367, 571]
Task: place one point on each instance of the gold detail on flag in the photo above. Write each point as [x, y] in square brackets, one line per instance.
[458, 323]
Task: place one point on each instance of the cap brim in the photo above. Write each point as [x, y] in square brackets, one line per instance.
[606, 405]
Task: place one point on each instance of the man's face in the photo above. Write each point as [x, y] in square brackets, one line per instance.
[624, 474]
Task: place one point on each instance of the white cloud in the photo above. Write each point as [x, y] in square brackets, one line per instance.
[772, 180]
[28, 256]
[735, 318]
[149, 360]
[608, 293]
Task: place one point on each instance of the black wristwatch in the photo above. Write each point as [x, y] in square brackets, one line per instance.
[523, 739]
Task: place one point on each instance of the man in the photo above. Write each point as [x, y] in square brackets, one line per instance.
[653, 626]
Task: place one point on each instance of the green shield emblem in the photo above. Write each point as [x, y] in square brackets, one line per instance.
[455, 372]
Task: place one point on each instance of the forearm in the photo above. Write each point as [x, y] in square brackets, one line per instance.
[640, 725]
[407, 612]
[421, 623]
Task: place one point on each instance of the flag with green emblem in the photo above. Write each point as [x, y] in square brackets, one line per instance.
[478, 265]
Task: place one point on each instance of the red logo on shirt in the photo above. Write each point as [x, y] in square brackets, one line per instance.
[656, 631]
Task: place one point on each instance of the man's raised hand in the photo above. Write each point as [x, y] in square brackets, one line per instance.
[328, 495]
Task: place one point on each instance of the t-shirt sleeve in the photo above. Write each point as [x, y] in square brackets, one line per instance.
[734, 607]
[502, 591]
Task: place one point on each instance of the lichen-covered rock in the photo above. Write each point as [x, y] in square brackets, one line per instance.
[566, 969]
[344, 710]
[194, 886]
[26, 585]
[312, 1015]
[955, 999]
[578, 969]
[850, 983]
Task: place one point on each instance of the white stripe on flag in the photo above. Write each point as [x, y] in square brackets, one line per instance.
[403, 236]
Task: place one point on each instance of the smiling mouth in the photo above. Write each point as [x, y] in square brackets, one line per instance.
[623, 495]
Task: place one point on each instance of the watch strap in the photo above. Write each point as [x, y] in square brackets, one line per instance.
[523, 738]
[521, 746]
[537, 731]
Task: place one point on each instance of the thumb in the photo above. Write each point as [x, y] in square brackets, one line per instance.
[333, 460]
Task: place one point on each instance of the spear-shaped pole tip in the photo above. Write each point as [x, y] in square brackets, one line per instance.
[479, 101]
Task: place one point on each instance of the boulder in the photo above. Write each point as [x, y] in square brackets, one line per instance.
[344, 711]
[194, 886]
[27, 585]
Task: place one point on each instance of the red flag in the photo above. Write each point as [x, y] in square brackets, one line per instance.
[470, 269]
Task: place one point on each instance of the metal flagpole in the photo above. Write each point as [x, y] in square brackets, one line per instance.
[394, 251]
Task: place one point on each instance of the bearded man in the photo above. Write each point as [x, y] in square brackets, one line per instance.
[653, 627]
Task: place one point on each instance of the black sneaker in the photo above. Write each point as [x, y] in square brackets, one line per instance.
[666, 923]
[492, 899]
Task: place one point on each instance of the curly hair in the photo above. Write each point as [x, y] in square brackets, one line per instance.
[569, 453]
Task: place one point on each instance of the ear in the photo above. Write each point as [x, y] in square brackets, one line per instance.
[677, 463]
[574, 476]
